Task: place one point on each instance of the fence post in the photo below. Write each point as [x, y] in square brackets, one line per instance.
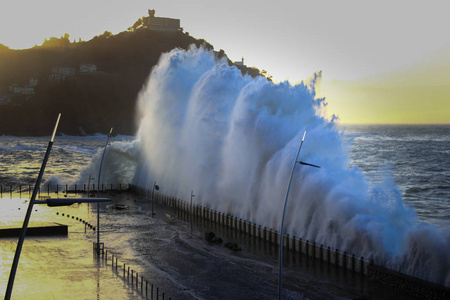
[353, 263]
[321, 253]
[329, 255]
[344, 260]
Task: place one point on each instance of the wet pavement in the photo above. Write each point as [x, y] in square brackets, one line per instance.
[168, 251]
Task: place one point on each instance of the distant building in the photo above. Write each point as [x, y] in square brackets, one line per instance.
[66, 71]
[164, 24]
[4, 100]
[88, 68]
[12, 87]
[34, 81]
[56, 77]
[21, 90]
[239, 63]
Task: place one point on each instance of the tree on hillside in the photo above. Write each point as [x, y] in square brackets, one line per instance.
[136, 25]
[105, 35]
[55, 42]
[3, 47]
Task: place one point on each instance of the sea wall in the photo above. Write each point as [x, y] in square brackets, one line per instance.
[317, 252]
[348, 261]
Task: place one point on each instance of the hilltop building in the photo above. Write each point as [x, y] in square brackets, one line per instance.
[239, 63]
[163, 24]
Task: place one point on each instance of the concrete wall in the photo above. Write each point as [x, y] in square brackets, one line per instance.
[348, 261]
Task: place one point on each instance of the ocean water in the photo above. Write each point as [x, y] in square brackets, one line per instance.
[21, 158]
[416, 156]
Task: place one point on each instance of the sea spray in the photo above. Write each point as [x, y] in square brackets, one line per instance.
[119, 164]
[232, 138]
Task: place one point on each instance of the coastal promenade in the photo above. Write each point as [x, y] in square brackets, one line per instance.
[169, 250]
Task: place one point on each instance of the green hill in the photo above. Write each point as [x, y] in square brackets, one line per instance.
[38, 83]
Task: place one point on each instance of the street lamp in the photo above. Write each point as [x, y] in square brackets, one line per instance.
[190, 209]
[23, 231]
[280, 264]
[98, 192]
[192, 195]
[155, 187]
[89, 184]
[49, 202]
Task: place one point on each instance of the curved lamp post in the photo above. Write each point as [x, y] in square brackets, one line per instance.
[280, 263]
[155, 187]
[98, 192]
[49, 202]
[23, 231]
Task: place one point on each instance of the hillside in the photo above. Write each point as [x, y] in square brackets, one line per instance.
[94, 84]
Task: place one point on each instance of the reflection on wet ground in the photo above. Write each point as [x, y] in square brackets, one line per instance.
[167, 250]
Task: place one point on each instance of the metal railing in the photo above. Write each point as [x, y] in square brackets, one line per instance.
[315, 251]
[26, 190]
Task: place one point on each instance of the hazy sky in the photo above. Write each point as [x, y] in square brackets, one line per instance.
[382, 61]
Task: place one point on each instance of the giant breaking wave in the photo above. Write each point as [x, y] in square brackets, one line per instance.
[232, 139]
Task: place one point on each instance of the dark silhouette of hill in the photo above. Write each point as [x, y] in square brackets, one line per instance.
[90, 102]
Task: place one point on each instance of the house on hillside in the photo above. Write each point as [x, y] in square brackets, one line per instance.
[88, 68]
[56, 77]
[163, 24]
[5, 100]
[34, 81]
[66, 71]
[21, 90]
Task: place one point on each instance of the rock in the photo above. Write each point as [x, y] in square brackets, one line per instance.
[233, 246]
[211, 237]
[217, 240]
